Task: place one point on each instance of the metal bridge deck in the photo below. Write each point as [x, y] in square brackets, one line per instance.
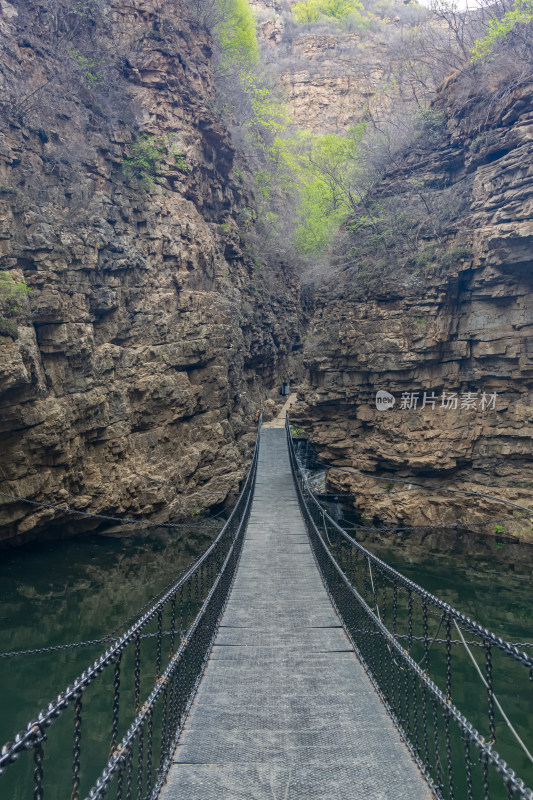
[284, 709]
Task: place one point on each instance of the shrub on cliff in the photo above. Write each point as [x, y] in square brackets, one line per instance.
[146, 156]
[12, 296]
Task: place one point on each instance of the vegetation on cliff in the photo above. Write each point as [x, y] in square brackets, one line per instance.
[13, 294]
[318, 196]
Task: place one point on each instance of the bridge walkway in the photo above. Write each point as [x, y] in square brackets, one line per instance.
[284, 709]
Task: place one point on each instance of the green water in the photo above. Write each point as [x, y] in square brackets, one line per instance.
[71, 591]
[67, 591]
[498, 595]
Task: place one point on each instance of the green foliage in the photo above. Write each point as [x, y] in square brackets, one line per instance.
[477, 143]
[423, 260]
[309, 11]
[263, 182]
[268, 112]
[261, 112]
[90, 67]
[85, 9]
[388, 486]
[297, 433]
[146, 156]
[12, 296]
[431, 124]
[339, 9]
[320, 171]
[499, 529]
[499, 29]
[456, 253]
[8, 327]
[237, 34]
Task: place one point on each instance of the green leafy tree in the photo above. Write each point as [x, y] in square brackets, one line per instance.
[340, 9]
[306, 11]
[321, 171]
[499, 29]
[309, 11]
[237, 34]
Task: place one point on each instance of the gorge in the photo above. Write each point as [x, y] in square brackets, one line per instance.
[156, 325]
[214, 212]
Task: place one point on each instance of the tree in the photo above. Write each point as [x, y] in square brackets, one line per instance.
[322, 172]
[306, 11]
[309, 11]
[501, 28]
[236, 34]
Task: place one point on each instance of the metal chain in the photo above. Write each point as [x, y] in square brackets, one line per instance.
[116, 704]
[175, 486]
[490, 691]
[411, 608]
[38, 774]
[76, 766]
[441, 526]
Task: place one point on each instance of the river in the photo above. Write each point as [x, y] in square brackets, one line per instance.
[74, 590]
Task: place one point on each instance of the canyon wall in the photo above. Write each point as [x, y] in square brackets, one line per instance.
[150, 337]
[330, 74]
[449, 334]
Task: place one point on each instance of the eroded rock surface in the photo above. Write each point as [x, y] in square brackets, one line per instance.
[462, 327]
[150, 338]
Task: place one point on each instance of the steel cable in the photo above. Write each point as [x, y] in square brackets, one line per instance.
[351, 471]
[106, 517]
[392, 669]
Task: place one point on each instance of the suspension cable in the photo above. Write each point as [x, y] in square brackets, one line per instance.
[497, 702]
[351, 471]
[105, 517]
[175, 486]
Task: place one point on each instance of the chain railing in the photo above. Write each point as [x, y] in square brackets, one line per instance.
[414, 648]
[134, 698]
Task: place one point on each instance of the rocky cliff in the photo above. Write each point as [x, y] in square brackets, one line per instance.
[448, 332]
[333, 73]
[150, 337]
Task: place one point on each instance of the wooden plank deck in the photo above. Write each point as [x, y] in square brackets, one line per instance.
[285, 710]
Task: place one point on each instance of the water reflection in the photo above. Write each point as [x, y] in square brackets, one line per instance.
[71, 591]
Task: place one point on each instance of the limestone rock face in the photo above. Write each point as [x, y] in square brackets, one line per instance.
[462, 333]
[149, 338]
[331, 76]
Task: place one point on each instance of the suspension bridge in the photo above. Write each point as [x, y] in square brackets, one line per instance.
[288, 662]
